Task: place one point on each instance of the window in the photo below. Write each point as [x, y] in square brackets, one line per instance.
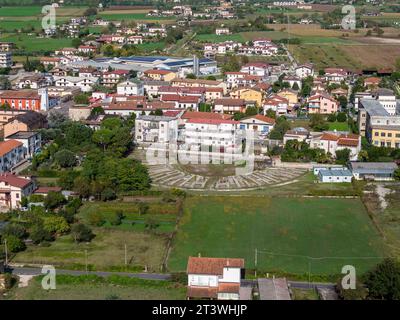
[383, 134]
[376, 134]
[389, 134]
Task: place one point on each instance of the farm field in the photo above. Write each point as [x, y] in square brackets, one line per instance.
[34, 44]
[132, 16]
[95, 288]
[236, 226]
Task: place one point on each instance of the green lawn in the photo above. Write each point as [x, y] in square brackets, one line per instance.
[339, 126]
[236, 226]
[215, 38]
[77, 288]
[20, 11]
[105, 251]
[34, 44]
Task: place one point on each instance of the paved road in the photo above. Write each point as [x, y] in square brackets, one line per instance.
[37, 271]
[298, 284]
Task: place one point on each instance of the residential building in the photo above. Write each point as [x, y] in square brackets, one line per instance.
[335, 75]
[131, 88]
[5, 59]
[222, 31]
[11, 153]
[182, 102]
[26, 121]
[276, 103]
[50, 61]
[84, 83]
[151, 129]
[256, 69]
[332, 141]
[290, 95]
[34, 81]
[7, 46]
[299, 134]
[248, 95]
[304, 71]
[112, 78]
[36, 100]
[378, 171]
[214, 278]
[13, 188]
[262, 125]
[322, 103]
[229, 105]
[31, 141]
[161, 75]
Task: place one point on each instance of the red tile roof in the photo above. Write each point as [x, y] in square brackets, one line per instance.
[14, 180]
[260, 117]
[230, 102]
[225, 287]
[212, 266]
[329, 136]
[202, 292]
[7, 146]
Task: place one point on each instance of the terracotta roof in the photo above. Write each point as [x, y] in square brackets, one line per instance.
[202, 292]
[14, 180]
[177, 97]
[155, 71]
[200, 81]
[226, 287]
[329, 136]
[205, 115]
[261, 118]
[19, 94]
[350, 140]
[229, 102]
[212, 266]
[7, 146]
[47, 189]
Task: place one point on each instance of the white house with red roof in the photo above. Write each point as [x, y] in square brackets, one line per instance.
[13, 188]
[182, 102]
[335, 75]
[276, 103]
[331, 141]
[258, 123]
[214, 278]
[304, 71]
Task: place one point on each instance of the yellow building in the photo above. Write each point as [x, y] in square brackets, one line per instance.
[162, 75]
[386, 136]
[290, 95]
[248, 94]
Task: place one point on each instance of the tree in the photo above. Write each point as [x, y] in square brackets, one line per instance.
[81, 232]
[39, 234]
[343, 156]
[295, 86]
[280, 128]
[397, 174]
[81, 98]
[90, 12]
[65, 158]
[383, 282]
[14, 244]
[341, 117]
[14, 229]
[343, 102]
[103, 137]
[108, 194]
[191, 76]
[158, 112]
[332, 117]
[116, 220]
[76, 42]
[142, 208]
[359, 293]
[270, 113]
[82, 186]
[55, 225]
[318, 123]
[54, 200]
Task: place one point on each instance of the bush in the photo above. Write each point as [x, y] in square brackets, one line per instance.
[39, 234]
[116, 220]
[108, 194]
[96, 219]
[341, 117]
[81, 232]
[15, 244]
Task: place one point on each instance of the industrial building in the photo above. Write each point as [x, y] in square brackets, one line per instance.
[181, 66]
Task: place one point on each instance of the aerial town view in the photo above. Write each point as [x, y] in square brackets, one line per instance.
[199, 150]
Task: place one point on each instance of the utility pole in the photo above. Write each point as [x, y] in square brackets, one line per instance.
[255, 262]
[126, 256]
[86, 262]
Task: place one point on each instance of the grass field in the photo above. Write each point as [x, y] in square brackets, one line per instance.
[34, 44]
[135, 289]
[339, 126]
[236, 226]
[20, 11]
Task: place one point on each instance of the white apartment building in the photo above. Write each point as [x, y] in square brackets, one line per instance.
[84, 83]
[304, 71]
[151, 129]
[222, 31]
[11, 153]
[5, 60]
[130, 88]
